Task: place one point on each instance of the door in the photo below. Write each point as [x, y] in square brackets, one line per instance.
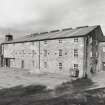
[7, 62]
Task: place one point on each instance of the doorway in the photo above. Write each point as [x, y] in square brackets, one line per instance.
[7, 62]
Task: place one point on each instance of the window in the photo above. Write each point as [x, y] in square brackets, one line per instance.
[45, 53]
[75, 66]
[60, 66]
[23, 43]
[22, 64]
[23, 51]
[75, 52]
[75, 39]
[33, 43]
[60, 41]
[45, 64]
[45, 42]
[13, 44]
[33, 63]
[33, 52]
[60, 52]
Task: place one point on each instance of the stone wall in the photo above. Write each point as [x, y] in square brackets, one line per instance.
[44, 55]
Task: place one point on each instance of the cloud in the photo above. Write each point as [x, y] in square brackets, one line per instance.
[28, 16]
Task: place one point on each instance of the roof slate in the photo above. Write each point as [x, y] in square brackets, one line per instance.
[64, 33]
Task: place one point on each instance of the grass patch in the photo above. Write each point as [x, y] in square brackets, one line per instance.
[74, 86]
[22, 91]
[31, 95]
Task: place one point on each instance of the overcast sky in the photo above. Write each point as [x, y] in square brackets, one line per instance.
[28, 16]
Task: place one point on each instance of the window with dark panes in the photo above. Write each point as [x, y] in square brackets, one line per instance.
[75, 52]
[60, 66]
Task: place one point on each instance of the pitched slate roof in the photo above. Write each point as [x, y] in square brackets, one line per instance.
[55, 34]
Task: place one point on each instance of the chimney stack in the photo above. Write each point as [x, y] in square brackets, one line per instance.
[8, 37]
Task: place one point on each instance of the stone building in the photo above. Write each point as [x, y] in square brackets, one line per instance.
[102, 54]
[70, 51]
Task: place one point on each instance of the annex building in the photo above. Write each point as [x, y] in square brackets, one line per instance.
[63, 51]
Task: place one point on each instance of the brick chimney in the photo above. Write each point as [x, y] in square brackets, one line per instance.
[8, 37]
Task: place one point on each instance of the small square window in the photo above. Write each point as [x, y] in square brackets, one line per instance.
[75, 39]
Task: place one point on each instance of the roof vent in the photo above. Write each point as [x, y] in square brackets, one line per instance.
[43, 32]
[34, 34]
[81, 27]
[54, 31]
[66, 29]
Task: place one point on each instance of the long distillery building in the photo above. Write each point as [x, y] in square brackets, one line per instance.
[58, 51]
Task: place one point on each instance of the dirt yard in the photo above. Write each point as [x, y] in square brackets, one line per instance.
[79, 92]
[15, 77]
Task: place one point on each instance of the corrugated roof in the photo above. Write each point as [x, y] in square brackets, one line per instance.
[55, 34]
